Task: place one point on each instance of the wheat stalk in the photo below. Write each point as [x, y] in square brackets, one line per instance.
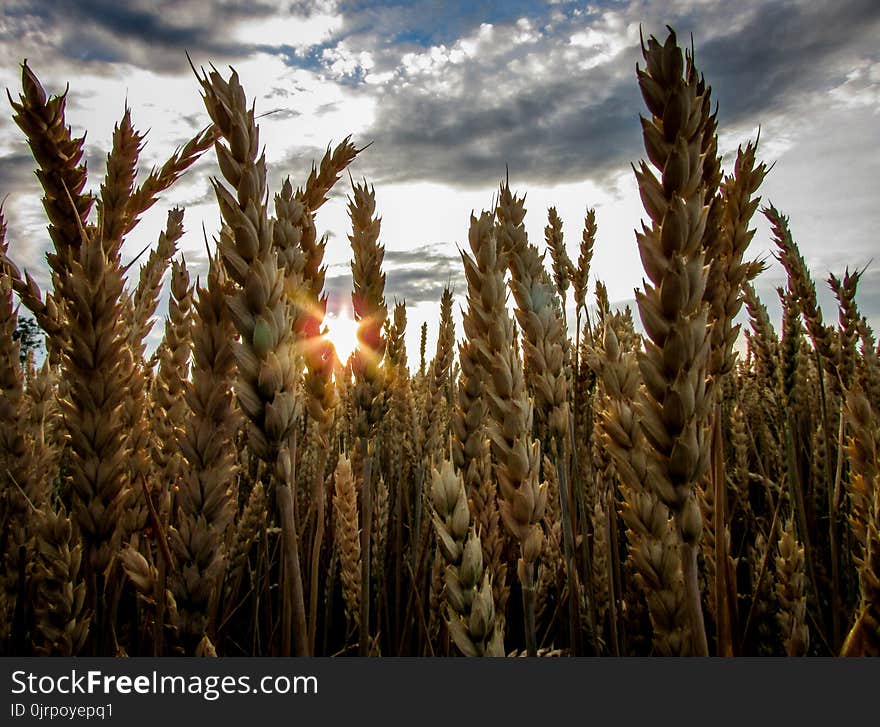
[204, 506]
[370, 312]
[515, 455]
[674, 366]
[267, 361]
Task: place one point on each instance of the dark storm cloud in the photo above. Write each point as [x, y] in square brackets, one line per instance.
[16, 171]
[784, 51]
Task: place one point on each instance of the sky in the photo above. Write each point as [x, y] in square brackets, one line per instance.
[451, 97]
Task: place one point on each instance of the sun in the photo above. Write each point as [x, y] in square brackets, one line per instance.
[342, 333]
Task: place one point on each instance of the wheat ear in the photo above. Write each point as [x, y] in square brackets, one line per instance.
[146, 295]
[515, 455]
[674, 366]
[62, 621]
[370, 312]
[473, 623]
[261, 313]
[791, 584]
[347, 536]
[652, 545]
[204, 506]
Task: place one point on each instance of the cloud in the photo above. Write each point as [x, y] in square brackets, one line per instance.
[154, 35]
[787, 53]
[416, 276]
[555, 98]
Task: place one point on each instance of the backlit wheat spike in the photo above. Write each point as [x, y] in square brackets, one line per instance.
[765, 340]
[250, 523]
[471, 456]
[739, 467]
[580, 278]
[294, 237]
[45, 312]
[292, 223]
[801, 283]
[145, 579]
[370, 312]
[368, 301]
[539, 320]
[765, 606]
[44, 423]
[544, 342]
[260, 312]
[146, 295]
[61, 169]
[321, 181]
[204, 506]
[97, 368]
[379, 541]
[674, 366]
[562, 265]
[398, 433]
[118, 182]
[19, 483]
[438, 376]
[470, 450]
[728, 270]
[169, 406]
[600, 560]
[862, 453]
[848, 328]
[551, 569]
[401, 414]
[161, 178]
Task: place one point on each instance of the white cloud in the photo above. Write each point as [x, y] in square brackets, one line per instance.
[297, 31]
[861, 88]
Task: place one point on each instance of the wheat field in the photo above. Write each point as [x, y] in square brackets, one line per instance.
[545, 484]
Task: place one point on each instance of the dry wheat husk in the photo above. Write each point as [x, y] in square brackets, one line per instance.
[347, 536]
[791, 586]
[204, 504]
[515, 455]
[259, 309]
[472, 620]
[62, 623]
[653, 546]
[674, 409]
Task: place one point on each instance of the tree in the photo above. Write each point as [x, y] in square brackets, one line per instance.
[31, 338]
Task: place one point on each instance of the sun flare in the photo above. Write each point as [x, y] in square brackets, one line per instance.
[342, 333]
